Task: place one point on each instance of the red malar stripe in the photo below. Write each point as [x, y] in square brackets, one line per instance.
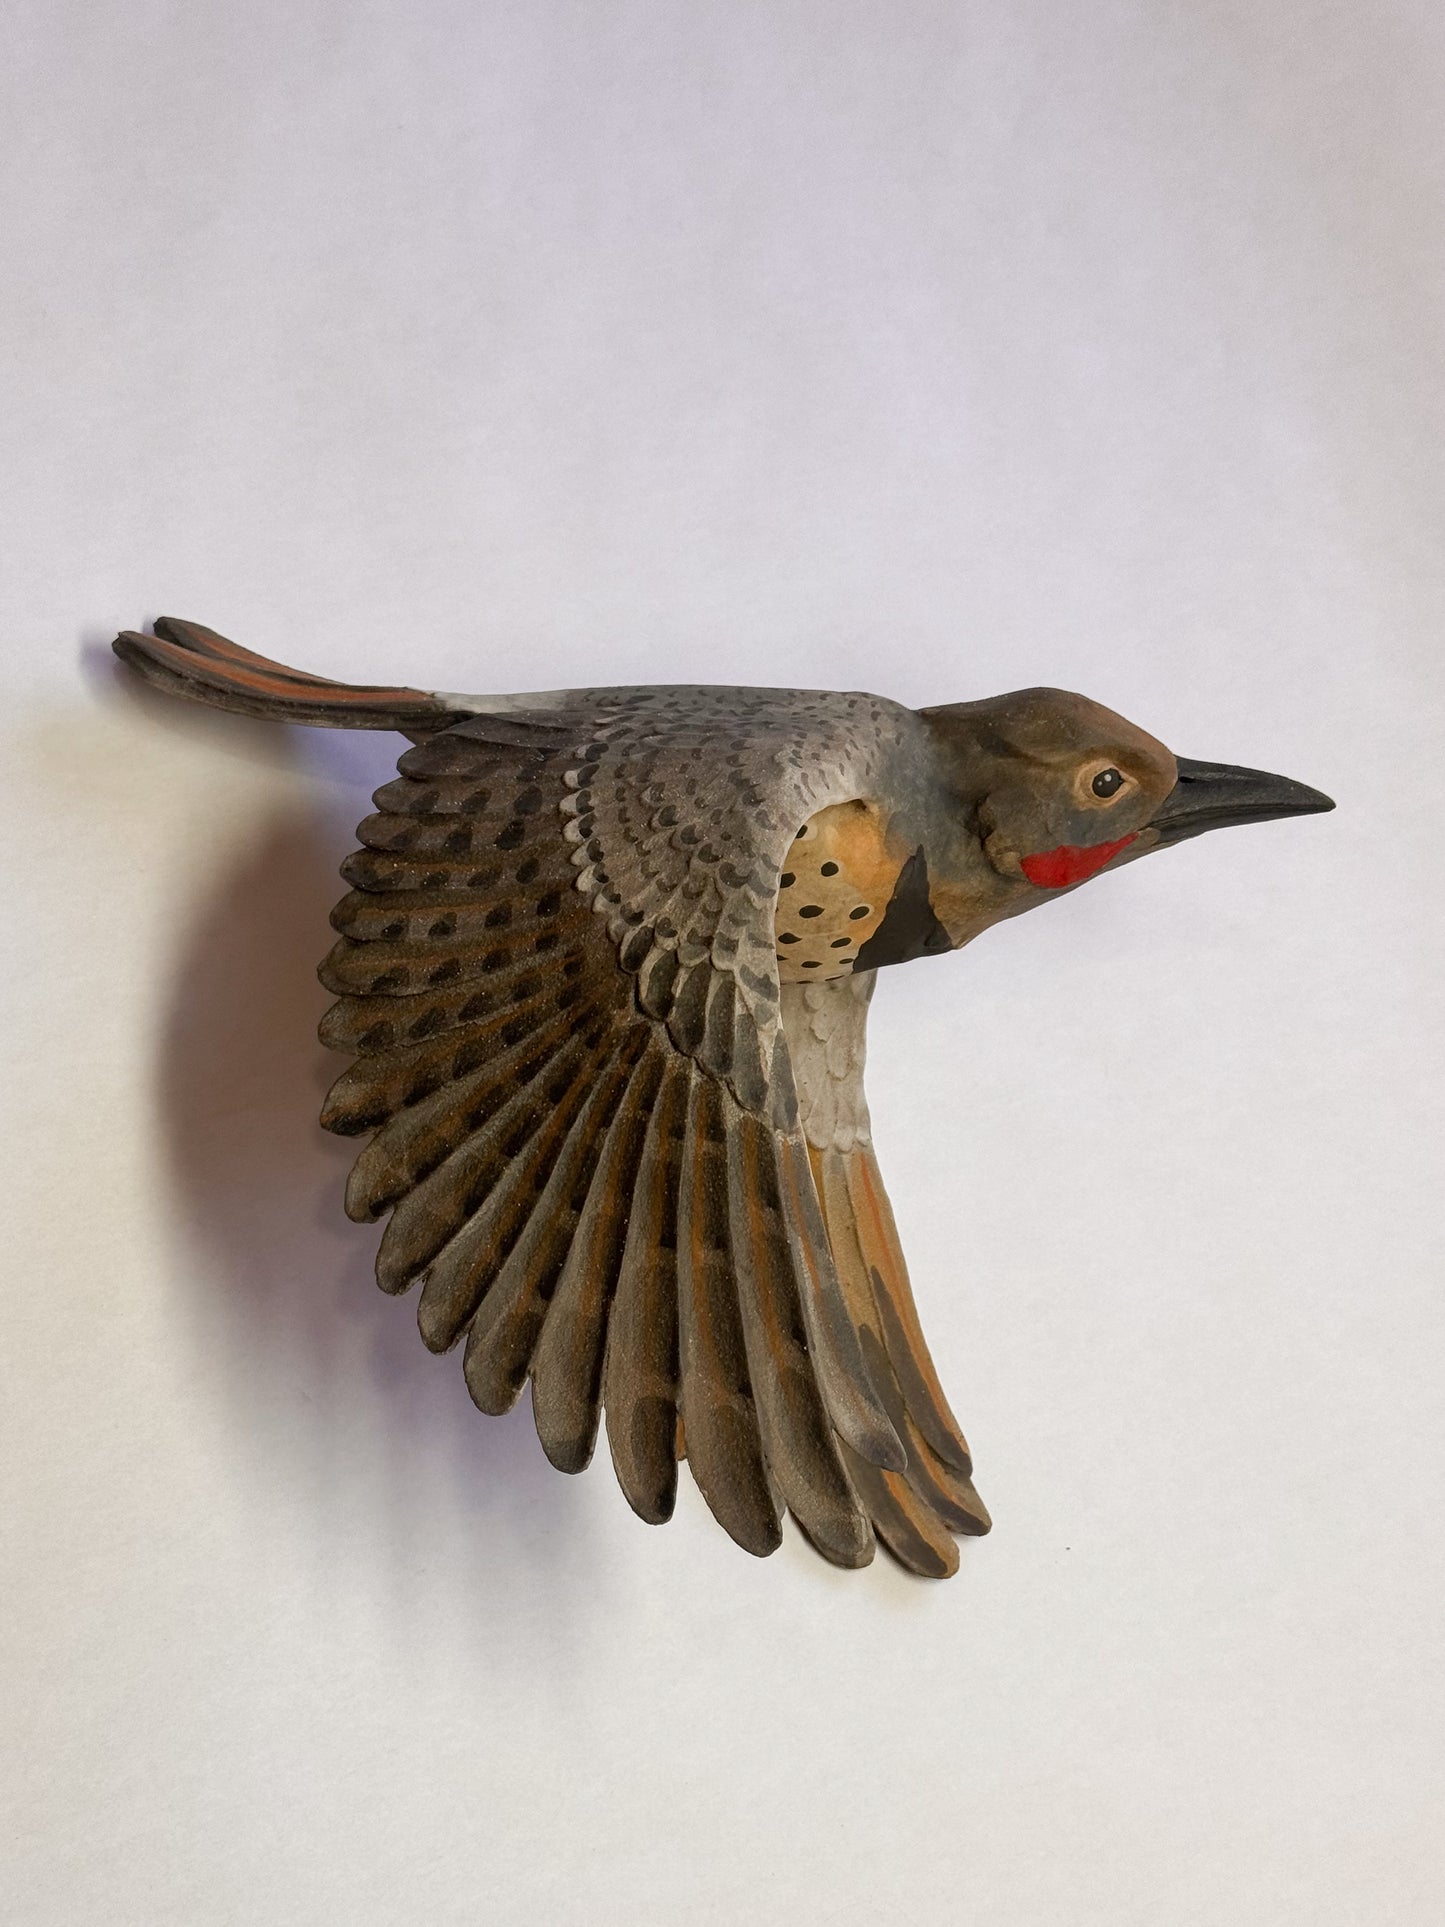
[1071, 862]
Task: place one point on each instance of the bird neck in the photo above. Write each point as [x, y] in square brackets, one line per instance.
[863, 886]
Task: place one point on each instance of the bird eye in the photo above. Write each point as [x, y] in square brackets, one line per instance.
[1107, 782]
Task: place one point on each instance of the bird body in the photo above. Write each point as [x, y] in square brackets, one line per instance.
[604, 971]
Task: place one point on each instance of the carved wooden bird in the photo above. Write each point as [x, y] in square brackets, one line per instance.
[604, 970]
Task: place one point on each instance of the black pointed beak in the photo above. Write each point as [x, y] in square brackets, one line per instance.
[1210, 795]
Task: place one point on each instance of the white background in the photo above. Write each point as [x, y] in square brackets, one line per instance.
[931, 348]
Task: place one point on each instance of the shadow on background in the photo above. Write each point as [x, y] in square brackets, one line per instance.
[327, 1377]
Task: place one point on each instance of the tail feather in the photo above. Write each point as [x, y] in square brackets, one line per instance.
[193, 662]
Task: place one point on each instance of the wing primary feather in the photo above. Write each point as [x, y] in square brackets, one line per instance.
[367, 1026]
[567, 1367]
[401, 970]
[459, 752]
[419, 1141]
[902, 1332]
[801, 1447]
[930, 1498]
[465, 837]
[508, 1322]
[640, 1363]
[462, 1273]
[719, 1416]
[853, 1403]
[430, 1215]
[386, 1084]
[452, 796]
[443, 918]
[912, 1532]
[950, 1495]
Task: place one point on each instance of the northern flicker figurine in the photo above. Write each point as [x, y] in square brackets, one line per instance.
[604, 971]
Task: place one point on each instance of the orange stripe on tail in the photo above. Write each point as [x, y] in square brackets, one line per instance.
[195, 663]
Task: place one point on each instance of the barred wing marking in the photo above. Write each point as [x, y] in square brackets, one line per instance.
[582, 1199]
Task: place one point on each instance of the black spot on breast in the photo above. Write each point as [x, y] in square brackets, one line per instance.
[811, 910]
[863, 910]
[830, 869]
[789, 937]
[786, 880]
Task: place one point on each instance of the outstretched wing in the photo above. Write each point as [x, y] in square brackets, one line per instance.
[917, 1510]
[587, 1140]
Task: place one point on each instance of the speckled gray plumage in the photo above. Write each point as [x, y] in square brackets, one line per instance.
[682, 804]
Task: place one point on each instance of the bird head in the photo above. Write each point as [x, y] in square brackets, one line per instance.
[1055, 788]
